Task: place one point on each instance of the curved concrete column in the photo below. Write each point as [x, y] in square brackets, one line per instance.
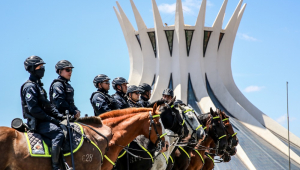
[179, 66]
[149, 63]
[196, 63]
[224, 64]
[163, 71]
[133, 47]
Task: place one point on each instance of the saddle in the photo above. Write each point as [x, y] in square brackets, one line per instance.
[39, 146]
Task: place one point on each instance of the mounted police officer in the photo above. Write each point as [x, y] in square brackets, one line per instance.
[145, 95]
[101, 101]
[120, 85]
[61, 92]
[38, 110]
[167, 94]
[133, 94]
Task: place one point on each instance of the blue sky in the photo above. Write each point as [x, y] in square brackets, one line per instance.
[88, 34]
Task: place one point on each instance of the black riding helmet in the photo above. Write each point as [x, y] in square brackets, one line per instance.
[118, 81]
[133, 88]
[62, 64]
[145, 87]
[32, 62]
[168, 92]
[99, 79]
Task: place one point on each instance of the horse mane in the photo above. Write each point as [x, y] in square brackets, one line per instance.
[90, 120]
[122, 112]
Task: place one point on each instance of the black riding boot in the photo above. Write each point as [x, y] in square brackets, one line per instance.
[55, 157]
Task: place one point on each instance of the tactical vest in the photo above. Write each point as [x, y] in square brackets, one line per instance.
[112, 104]
[69, 92]
[122, 100]
[43, 102]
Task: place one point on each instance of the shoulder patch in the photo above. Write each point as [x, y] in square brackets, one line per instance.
[28, 96]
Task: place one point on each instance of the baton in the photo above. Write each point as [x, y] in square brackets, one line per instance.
[71, 139]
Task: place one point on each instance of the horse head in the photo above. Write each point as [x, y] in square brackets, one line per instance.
[195, 127]
[231, 135]
[172, 119]
[217, 131]
[156, 136]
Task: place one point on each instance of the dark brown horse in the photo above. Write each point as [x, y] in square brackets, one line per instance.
[15, 156]
[215, 134]
[232, 143]
[126, 125]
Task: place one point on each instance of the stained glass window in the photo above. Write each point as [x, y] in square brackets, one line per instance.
[153, 82]
[192, 100]
[138, 39]
[153, 41]
[188, 39]
[171, 82]
[205, 40]
[220, 38]
[170, 35]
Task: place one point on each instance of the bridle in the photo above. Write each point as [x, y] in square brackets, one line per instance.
[180, 130]
[194, 129]
[158, 143]
[230, 136]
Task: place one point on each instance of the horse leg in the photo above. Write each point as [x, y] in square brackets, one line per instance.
[209, 165]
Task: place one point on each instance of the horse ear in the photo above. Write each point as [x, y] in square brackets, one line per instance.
[154, 108]
[211, 111]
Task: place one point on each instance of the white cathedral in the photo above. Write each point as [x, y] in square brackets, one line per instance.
[195, 61]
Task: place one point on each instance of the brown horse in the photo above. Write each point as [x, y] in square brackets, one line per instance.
[198, 157]
[15, 156]
[126, 125]
[232, 141]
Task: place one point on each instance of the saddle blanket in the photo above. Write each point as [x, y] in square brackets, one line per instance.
[38, 148]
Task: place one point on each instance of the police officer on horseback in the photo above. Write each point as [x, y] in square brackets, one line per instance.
[101, 101]
[120, 85]
[133, 93]
[145, 95]
[167, 94]
[61, 92]
[42, 116]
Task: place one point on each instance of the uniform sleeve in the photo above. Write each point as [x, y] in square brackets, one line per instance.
[100, 104]
[59, 99]
[117, 99]
[31, 98]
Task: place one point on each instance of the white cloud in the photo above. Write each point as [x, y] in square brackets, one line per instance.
[246, 37]
[250, 89]
[188, 6]
[283, 119]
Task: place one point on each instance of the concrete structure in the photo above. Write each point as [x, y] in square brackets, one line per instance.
[195, 61]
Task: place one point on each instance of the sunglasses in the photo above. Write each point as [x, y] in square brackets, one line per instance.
[137, 93]
[68, 70]
[106, 82]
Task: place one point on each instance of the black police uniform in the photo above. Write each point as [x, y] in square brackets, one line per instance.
[132, 104]
[35, 103]
[143, 101]
[102, 102]
[62, 95]
[121, 100]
